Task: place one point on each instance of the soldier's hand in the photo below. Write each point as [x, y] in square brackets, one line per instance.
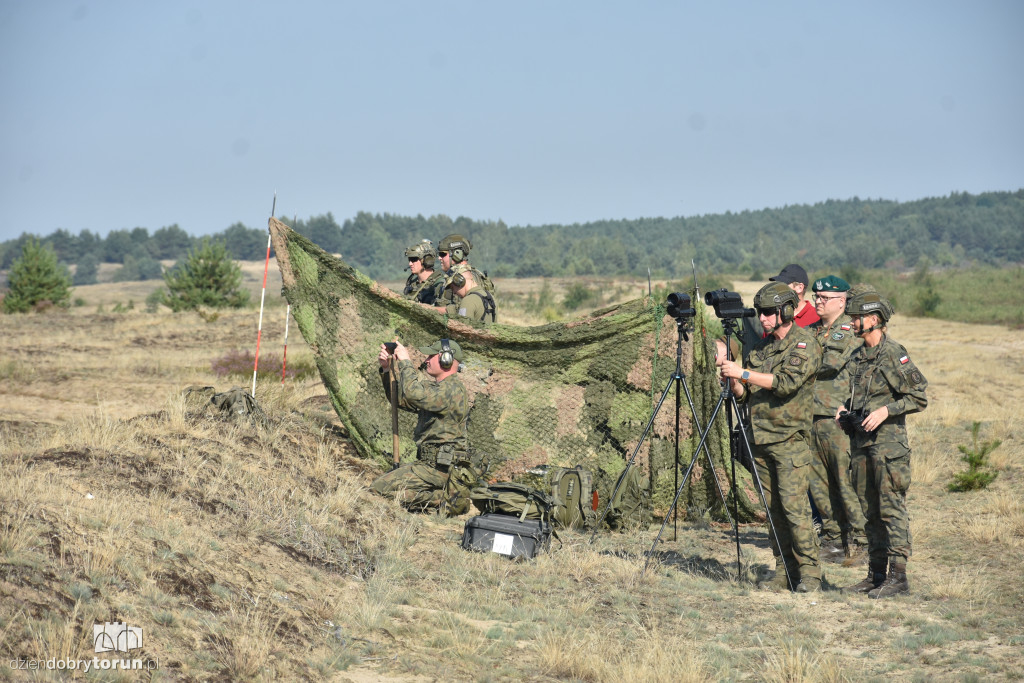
[730, 369]
[384, 358]
[401, 353]
[875, 419]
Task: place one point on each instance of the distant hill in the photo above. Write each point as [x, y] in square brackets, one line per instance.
[962, 228]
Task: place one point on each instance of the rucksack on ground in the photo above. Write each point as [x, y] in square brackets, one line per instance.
[512, 499]
[630, 508]
[573, 498]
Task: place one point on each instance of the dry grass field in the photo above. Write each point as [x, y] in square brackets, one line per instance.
[255, 552]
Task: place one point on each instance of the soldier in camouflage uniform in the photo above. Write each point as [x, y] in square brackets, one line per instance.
[843, 536]
[885, 386]
[442, 476]
[778, 389]
[423, 280]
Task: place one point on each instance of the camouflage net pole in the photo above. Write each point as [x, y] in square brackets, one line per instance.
[566, 394]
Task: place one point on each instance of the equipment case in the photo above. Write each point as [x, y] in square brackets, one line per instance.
[507, 535]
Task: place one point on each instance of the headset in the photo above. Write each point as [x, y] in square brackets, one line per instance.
[446, 358]
[459, 252]
[428, 261]
[786, 312]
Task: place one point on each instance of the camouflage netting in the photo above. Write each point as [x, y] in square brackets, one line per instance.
[563, 394]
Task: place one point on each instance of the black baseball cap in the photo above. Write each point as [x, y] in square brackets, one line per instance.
[792, 273]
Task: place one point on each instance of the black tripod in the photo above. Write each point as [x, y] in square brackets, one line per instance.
[739, 447]
[677, 379]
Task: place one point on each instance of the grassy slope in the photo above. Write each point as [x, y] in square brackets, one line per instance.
[249, 552]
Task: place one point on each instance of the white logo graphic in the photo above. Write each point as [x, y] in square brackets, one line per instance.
[116, 637]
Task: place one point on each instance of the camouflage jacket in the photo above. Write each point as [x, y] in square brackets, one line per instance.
[474, 305]
[778, 413]
[838, 342]
[442, 407]
[880, 376]
[425, 291]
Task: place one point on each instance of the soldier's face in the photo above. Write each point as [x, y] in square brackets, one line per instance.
[446, 259]
[415, 265]
[434, 366]
[769, 319]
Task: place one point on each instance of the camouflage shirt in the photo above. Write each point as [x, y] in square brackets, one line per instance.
[880, 376]
[838, 342]
[785, 409]
[425, 291]
[442, 407]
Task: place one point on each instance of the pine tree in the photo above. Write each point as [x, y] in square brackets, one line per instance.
[206, 278]
[36, 277]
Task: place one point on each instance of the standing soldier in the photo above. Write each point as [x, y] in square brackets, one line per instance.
[442, 476]
[885, 386]
[778, 389]
[474, 302]
[422, 281]
[453, 250]
[833, 494]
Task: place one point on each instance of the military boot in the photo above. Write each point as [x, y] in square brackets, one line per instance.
[894, 584]
[809, 585]
[875, 578]
[778, 582]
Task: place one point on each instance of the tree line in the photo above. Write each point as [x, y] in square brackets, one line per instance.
[986, 228]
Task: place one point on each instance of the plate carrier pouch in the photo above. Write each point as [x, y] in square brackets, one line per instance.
[574, 500]
[512, 536]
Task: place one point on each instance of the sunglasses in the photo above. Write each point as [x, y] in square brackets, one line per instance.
[413, 259]
[767, 311]
[442, 254]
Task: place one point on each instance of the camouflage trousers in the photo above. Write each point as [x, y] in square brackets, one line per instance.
[420, 487]
[830, 486]
[881, 477]
[783, 470]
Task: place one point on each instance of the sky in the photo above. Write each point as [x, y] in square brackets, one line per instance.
[120, 114]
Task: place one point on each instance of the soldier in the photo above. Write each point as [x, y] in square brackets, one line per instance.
[837, 502]
[423, 280]
[778, 389]
[442, 476]
[885, 386]
[454, 250]
[474, 302]
[795, 277]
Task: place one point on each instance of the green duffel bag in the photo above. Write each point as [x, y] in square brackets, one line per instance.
[507, 498]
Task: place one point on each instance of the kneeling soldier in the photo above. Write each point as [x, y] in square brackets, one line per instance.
[442, 476]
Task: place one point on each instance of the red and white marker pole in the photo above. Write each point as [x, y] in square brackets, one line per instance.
[263, 296]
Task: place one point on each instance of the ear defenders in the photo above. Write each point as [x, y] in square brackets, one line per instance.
[786, 312]
[428, 261]
[446, 358]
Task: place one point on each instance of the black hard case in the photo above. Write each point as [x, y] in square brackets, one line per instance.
[528, 537]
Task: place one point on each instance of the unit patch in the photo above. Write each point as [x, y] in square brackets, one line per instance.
[838, 335]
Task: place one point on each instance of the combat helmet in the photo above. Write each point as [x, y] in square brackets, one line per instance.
[777, 295]
[865, 300]
[424, 251]
[456, 245]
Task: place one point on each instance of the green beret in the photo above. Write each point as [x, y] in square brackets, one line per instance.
[831, 283]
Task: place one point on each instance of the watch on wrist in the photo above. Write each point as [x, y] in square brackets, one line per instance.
[745, 377]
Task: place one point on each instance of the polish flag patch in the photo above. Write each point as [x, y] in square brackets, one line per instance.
[801, 345]
[845, 327]
[904, 360]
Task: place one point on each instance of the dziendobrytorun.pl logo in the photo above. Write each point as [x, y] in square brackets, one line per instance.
[106, 637]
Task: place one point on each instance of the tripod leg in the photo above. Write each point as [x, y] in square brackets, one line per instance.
[707, 451]
[629, 463]
[679, 490]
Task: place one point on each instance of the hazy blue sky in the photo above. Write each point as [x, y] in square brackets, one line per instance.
[119, 114]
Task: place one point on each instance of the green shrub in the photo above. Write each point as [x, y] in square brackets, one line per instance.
[977, 476]
[36, 278]
[206, 278]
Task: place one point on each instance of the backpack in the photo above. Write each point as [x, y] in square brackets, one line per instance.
[631, 506]
[574, 499]
[512, 499]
